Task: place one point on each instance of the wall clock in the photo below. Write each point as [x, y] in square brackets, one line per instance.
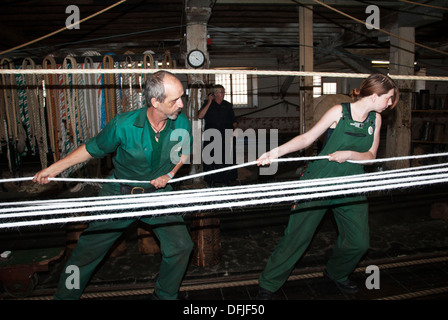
[196, 58]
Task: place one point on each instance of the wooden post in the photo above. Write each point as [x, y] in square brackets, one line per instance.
[398, 142]
[147, 240]
[206, 236]
[204, 230]
[306, 64]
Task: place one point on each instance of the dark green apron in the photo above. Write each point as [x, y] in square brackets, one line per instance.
[350, 213]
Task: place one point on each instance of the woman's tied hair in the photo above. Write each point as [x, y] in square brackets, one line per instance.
[377, 83]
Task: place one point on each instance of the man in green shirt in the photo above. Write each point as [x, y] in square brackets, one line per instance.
[150, 144]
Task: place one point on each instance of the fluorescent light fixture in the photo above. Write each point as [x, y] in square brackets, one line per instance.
[380, 62]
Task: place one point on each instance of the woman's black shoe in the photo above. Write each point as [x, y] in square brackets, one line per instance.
[264, 294]
[346, 286]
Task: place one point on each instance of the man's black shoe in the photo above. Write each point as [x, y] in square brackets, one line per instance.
[181, 296]
[264, 294]
[346, 286]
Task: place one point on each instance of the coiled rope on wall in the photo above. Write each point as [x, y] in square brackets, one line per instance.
[36, 109]
[9, 113]
[91, 97]
[52, 113]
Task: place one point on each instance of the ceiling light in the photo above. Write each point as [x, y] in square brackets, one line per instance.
[380, 62]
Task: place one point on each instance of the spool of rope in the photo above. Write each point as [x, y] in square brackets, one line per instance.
[99, 93]
[89, 98]
[92, 94]
[72, 111]
[124, 87]
[65, 133]
[53, 114]
[10, 99]
[167, 61]
[147, 63]
[42, 112]
[25, 129]
[36, 109]
[132, 82]
[82, 123]
[9, 110]
[141, 102]
[78, 110]
[95, 82]
[119, 89]
[70, 104]
[109, 83]
[129, 92]
[132, 86]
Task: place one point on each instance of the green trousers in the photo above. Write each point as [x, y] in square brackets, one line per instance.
[95, 241]
[351, 216]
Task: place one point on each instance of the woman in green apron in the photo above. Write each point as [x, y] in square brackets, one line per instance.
[353, 133]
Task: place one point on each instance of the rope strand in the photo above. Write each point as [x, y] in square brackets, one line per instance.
[220, 71]
[224, 205]
[199, 200]
[198, 196]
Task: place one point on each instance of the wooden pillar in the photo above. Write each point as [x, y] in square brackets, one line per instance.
[197, 15]
[306, 64]
[146, 239]
[398, 142]
[204, 230]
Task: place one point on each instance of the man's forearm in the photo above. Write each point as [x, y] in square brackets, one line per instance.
[183, 159]
[77, 156]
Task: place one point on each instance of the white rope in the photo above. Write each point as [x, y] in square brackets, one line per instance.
[215, 198]
[215, 206]
[99, 180]
[199, 196]
[200, 192]
[220, 71]
[232, 197]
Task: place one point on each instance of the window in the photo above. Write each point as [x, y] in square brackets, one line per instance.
[329, 88]
[320, 88]
[317, 86]
[241, 89]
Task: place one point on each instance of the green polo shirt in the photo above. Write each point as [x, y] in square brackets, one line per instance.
[137, 155]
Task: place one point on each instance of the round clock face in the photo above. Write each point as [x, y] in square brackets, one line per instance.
[196, 58]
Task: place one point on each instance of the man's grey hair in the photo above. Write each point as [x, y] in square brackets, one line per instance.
[154, 87]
